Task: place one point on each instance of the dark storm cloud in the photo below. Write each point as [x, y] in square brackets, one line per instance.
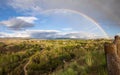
[111, 5]
[110, 8]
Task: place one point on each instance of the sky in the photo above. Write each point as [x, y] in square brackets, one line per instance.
[49, 19]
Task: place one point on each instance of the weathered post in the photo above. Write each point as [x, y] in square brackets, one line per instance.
[112, 51]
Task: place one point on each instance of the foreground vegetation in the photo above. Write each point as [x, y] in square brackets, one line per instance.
[53, 57]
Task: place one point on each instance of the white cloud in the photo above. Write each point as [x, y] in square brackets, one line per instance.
[15, 34]
[83, 35]
[27, 19]
[25, 5]
[19, 23]
[2, 34]
[49, 34]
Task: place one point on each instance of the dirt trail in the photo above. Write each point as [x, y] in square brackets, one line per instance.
[25, 67]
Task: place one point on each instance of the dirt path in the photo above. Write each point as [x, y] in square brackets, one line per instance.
[25, 67]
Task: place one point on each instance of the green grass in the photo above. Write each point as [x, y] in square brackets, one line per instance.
[54, 57]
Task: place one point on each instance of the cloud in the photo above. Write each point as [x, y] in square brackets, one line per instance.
[2, 35]
[83, 35]
[14, 35]
[18, 23]
[3, 3]
[38, 6]
[101, 10]
[105, 12]
[26, 5]
[27, 19]
[49, 34]
[43, 34]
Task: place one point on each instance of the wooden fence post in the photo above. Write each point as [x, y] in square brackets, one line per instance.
[112, 52]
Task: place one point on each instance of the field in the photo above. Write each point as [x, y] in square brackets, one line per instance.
[52, 57]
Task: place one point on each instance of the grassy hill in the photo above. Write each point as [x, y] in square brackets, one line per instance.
[52, 57]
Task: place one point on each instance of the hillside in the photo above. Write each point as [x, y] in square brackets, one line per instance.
[52, 57]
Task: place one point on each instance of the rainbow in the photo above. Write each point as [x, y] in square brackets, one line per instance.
[79, 13]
